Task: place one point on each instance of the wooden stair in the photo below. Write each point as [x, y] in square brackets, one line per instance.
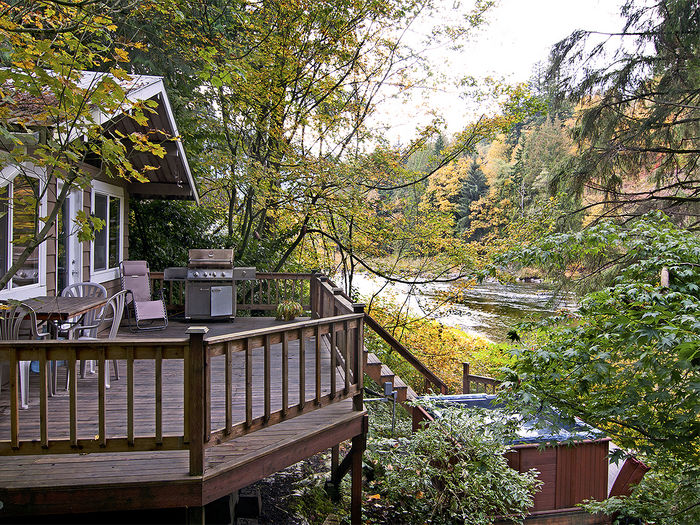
[380, 373]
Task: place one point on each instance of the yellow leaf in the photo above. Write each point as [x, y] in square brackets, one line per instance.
[374, 496]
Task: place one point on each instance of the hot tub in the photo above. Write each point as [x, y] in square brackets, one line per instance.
[571, 473]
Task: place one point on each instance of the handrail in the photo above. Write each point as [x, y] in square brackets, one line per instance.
[469, 379]
[406, 354]
[340, 335]
[340, 301]
[102, 351]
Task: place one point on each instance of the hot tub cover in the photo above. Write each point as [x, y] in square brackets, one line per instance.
[547, 427]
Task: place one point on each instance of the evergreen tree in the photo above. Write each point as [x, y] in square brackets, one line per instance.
[475, 187]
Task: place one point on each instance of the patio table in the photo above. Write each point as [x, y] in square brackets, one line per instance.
[56, 309]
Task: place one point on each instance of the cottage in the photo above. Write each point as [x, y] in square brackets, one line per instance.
[62, 259]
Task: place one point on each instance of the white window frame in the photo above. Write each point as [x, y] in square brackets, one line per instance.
[101, 276]
[76, 196]
[27, 291]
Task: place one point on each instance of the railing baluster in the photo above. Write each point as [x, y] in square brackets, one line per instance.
[267, 382]
[14, 399]
[346, 357]
[159, 396]
[73, 400]
[102, 401]
[130, 396]
[44, 400]
[302, 369]
[269, 292]
[277, 291]
[229, 388]
[334, 358]
[248, 383]
[285, 373]
[318, 364]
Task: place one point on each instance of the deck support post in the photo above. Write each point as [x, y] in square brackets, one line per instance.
[196, 515]
[335, 457]
[198, 409]
[359, 443]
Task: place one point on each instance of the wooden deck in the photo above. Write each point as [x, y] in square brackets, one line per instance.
[47, 483]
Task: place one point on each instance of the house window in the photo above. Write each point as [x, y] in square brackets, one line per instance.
[107, 205]
[18, 216]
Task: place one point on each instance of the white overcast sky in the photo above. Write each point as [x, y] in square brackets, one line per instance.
[519, 34]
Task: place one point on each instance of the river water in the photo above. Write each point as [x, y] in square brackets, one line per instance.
[489, 309]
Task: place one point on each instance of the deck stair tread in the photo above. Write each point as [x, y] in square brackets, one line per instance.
[372, 359]
[399, 383]
[381, 373]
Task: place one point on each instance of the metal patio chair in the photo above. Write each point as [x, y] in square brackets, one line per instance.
[149, 312]
[18, 321]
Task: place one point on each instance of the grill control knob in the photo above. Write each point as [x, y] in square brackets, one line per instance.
[204, 274]
[196, 274]
[223, 274]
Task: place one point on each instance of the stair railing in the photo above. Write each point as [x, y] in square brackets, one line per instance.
[430, 378]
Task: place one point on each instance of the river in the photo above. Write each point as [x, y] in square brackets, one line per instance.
[489, 309]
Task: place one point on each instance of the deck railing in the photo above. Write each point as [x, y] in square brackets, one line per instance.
[173, 291]
[431, 380]
[48, 352]
[268, 289]
[336, 331]
[472, 384]
[263, 293]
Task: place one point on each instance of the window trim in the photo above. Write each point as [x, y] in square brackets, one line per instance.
[76, 195]
[101, 276]
[27, 291]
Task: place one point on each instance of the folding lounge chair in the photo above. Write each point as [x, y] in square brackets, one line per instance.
[149, 313]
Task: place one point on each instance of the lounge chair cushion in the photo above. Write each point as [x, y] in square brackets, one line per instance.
[147, 310]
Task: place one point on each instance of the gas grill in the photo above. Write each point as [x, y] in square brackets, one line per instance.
[210, 283]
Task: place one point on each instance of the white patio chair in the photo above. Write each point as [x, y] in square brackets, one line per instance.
[111, 317]
[86, 289]
[18, 321]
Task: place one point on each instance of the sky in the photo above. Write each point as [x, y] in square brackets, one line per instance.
[519, 34]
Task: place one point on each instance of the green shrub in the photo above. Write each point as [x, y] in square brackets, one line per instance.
[288, 310]
[452, 471]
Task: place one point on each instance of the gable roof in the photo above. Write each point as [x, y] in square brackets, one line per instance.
[172, 178]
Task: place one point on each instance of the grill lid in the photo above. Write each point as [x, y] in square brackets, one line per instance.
[214, 258]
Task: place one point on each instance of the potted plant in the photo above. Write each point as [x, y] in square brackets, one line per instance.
[288, 310]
